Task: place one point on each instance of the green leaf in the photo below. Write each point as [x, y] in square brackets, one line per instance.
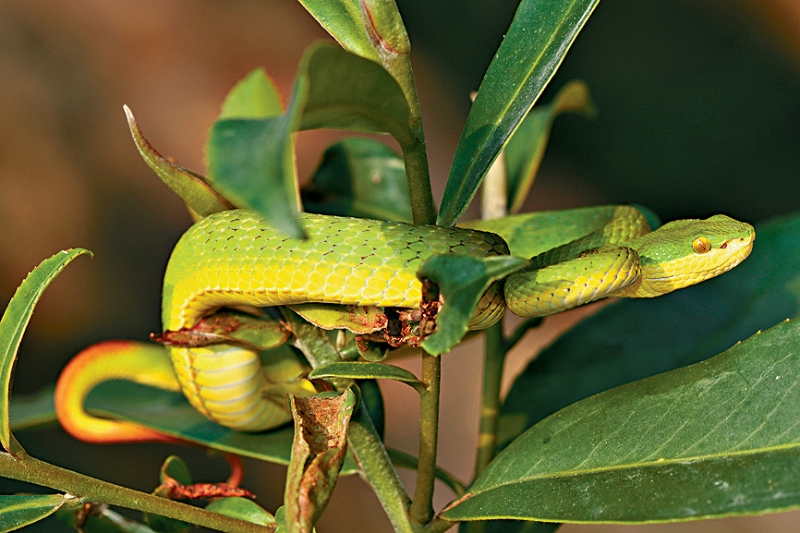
[33, 410]
[318, 450]
[361, 370]
[342, 19]
[251, 160]
[360, 177]
[254, 96]
[356, 318]
[251, 163]
[243, 509]
[175, 468]
[462, 280]
[529, 234]
[170, 413]
[525, 148]
[712, 439]
[536, 43]
[348, 92]
[12, 327]
[633, 339]
[19, 511]
[193, 188]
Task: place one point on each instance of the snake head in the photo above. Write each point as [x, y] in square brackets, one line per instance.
[685, 252]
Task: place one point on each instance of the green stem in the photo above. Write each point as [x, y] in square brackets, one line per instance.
[422, 508]
[31, 470]
[419, 182]
[494, 355]
[378, 471]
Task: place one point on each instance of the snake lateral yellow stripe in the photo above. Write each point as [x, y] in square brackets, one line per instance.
[234, 258]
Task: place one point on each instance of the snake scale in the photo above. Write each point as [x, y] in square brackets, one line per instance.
[234, 258]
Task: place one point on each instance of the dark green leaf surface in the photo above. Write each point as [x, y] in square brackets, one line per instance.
[532, 50]
[342, 19]
[633, 339]
[20, 511]
[361, 370]
[462, 280]
[33, 410]
[170, 413]
[717, 438]
[12, 327]
[255, 96]
[243, 509]
[192, 188]
[360, 177]
[348, 92]
[525, 149]
[250, 162]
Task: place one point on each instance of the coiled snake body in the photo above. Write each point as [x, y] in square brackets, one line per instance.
[233, 258]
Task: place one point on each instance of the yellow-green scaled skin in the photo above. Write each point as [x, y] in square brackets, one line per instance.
[234, 258]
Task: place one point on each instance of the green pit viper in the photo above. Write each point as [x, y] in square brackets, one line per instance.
[234, 258]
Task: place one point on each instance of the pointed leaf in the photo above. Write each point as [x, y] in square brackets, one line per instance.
[243, 509]
[254, 96]
[361, 370]
[716, 438]
[360, 177]
[462, 280]
[342, 19]
[318, 450]
[633, 339]
[12, 327]
[536, 43]
[525, 149]
[19, 511]
[193, 189]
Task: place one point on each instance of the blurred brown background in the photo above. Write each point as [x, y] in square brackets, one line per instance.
[699, 106]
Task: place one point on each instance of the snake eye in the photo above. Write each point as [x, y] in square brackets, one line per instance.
[701, 245]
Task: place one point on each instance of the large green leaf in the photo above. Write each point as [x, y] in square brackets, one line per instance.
[12, 327]
[360, 177]
[171, 414]
[348, 92]
[20, 511]
[342, 19]
[716, 438]
[539, 37]
[251, 163]
[633, 339]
